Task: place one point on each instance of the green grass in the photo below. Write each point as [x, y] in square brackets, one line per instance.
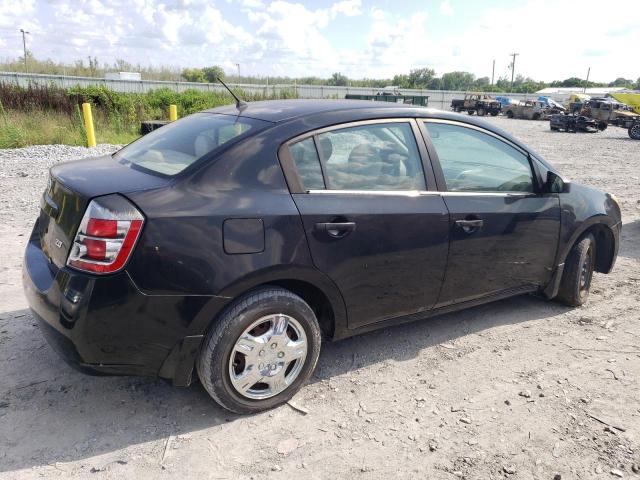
[39, 115]
[37, 127]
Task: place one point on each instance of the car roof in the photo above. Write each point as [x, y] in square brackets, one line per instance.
[282, 110]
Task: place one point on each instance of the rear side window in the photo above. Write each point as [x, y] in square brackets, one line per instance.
[307, 163]
[174, 147]
[473, 161]
[380, 156]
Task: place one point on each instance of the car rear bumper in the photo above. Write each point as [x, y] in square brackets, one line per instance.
[105, 325]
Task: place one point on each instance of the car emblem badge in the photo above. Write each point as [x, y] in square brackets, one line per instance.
[58, 243]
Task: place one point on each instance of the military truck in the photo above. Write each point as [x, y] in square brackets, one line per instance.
[610, 111]
[528, 110]
[479, 103]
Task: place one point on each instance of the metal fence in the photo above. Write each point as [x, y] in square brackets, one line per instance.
[437, 98]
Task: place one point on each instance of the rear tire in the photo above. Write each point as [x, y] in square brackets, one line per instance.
[634, 131]
[260, 352]
[578, 272]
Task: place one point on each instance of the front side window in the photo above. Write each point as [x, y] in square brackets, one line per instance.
[381, 156]
[473, 161]
[174, 147]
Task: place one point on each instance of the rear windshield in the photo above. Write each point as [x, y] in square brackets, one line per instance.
[174, 147]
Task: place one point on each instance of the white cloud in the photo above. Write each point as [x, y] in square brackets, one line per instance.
[349, 8]
[289, 37]
[378, 13]
[446, 8]
[252, 4]
[546, 51]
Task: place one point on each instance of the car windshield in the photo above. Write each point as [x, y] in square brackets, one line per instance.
[174, 147]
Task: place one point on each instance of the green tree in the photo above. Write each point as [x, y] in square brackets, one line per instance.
[435, 84]
[401, 81]
[482, 83]
[457, 81]
[621, 82]
[338, 80]
[193, 75]
[211, 74]
[420, 77]
[572, 82]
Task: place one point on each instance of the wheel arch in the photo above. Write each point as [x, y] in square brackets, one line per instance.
[606, 252]
[308, 283]
[606, 247]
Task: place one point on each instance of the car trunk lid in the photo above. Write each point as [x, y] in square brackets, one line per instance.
[71, 187]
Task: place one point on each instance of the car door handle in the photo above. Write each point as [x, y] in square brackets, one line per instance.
[336, 229]
[470, 226]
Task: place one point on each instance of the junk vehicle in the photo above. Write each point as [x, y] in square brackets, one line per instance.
[576, 123]
[479, 103]
[610, 111]
[506, 101]
[528, 110]
[231, 244]
[549, 102]
[628, 98]
[575, 102]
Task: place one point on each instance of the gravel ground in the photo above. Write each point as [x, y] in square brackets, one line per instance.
[519, 389]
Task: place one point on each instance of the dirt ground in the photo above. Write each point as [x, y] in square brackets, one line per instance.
[519, 389]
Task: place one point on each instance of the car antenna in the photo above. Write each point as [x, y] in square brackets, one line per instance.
[240, 105]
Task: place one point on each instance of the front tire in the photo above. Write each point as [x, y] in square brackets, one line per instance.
[260, 352]
[578, 272]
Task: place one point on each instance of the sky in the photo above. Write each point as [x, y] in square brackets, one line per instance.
[555, 39]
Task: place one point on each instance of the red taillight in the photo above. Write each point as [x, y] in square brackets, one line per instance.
[106, 236]
[96, 249]
[102, 228]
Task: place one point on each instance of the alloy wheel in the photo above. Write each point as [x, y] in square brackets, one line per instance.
[268, 356]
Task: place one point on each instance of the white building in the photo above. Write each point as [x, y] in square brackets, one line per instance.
[592, 92]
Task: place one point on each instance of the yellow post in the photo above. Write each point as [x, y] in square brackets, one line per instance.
[88, 125]
[173, 113]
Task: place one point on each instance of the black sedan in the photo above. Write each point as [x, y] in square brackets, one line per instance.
[230, 243]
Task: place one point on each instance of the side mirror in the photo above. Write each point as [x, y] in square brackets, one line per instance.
[556, 184]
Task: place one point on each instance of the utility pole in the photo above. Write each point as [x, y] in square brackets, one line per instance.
[238, 65]
[493, 71]
[586, 82]
[24, 47]
[513, 68]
